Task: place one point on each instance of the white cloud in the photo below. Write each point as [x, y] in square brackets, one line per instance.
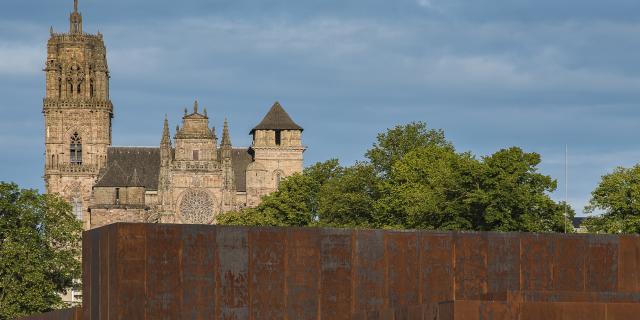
[425, 3]
[17, 59]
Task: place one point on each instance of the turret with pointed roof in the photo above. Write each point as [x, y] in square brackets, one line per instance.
[277, 129]
[277, 119]
[277, 151]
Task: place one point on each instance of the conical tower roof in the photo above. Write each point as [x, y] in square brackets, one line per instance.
[277, 119]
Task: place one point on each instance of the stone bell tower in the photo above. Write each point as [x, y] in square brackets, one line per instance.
[77, 113]
[277, 151]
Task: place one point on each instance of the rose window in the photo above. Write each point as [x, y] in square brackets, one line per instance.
[196, 207]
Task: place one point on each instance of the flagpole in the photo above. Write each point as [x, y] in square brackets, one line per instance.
[566, 186]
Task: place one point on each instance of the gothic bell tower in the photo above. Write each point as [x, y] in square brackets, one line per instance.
[77, 113]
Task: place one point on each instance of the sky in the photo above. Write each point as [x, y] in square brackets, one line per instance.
[538, 74]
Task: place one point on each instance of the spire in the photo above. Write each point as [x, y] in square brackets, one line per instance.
[166, 141]
[213, 132]
[195, 106]
[205, 111]
[226, 139]
[75, 19]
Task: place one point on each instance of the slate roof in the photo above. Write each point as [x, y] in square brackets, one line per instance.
[240, 159]
[125, 163]
[277, 119]
[140, 166]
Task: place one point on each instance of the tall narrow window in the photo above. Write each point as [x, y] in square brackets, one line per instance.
[196, 154]
[75, 149]
[278, 179]
[77, 208]
[278, 138]
[79, 88]
[117, 195]
[91, 89]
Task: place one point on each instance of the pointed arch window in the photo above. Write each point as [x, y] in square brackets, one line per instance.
[77, 208]
[75, 149]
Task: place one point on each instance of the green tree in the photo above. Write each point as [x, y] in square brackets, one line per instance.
[513, 196]
[348, 198]
[393, 144]
[39, 250]
[295, 203]
[426, 190]
[618, 197]
[415, 179]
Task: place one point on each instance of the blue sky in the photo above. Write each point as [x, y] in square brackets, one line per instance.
[532, 73]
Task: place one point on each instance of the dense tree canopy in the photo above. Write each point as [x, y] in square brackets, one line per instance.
[414, 178]
[39, 250]
[618, 197]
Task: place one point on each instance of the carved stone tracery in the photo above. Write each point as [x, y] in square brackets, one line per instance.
[197, 207]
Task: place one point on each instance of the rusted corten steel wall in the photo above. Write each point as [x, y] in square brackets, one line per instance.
[66, 314]
[508, 310]
[147, 271]
[500, 310]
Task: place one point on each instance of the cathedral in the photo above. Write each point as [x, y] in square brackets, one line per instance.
[189, 178]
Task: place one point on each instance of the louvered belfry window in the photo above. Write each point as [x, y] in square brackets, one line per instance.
[75, 149]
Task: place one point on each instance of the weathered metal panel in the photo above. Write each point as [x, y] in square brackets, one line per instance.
[435, 267]
[131, 272]
[470, 266]
[268, 268]
[417, 312]
[198, 272]
[96, 269]
[629, 264]
[503, 260]
[467, 310]
[583, 311]
[87, 268]
[540, 310]
[574, 296]
[497, 310]
[303, 274]
[569, 262]
[369, 270]
[113, 277]
[536, 264]
[446, 311]
[105, 274]
[623, 311]
[402, 260]
[164, 256]
[233, 273]
[336, 277]
[601, 263]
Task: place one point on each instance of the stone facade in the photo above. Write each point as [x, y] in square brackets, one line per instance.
[77, 112]
[188, 179]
